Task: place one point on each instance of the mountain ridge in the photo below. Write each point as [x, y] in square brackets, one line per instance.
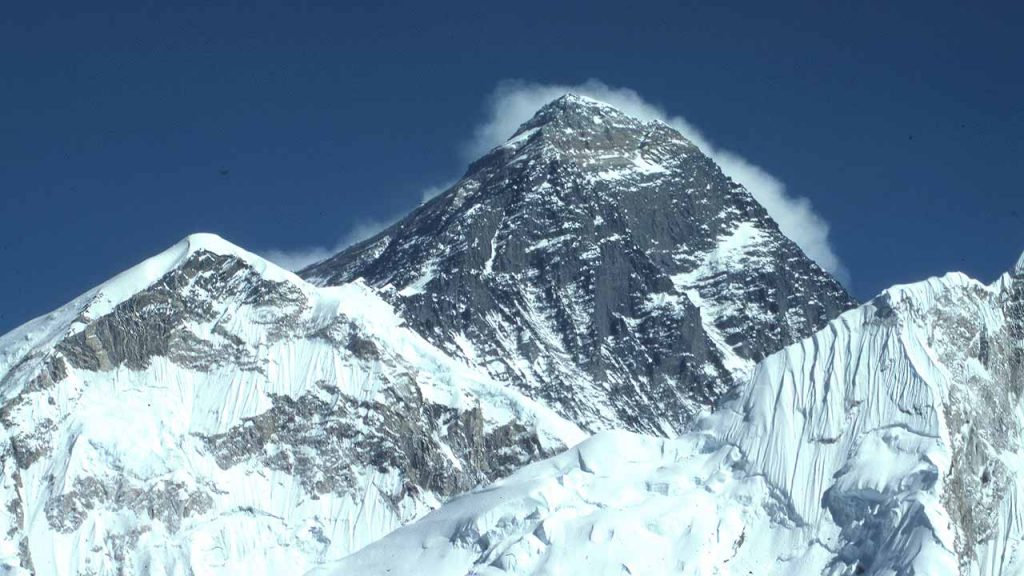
[889, 442]
[207, 398]
[208, 411]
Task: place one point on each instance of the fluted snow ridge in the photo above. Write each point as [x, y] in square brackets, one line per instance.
[209, 413]
[888, 442]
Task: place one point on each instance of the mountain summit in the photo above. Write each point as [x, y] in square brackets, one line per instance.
[601, 264]
[207, 412]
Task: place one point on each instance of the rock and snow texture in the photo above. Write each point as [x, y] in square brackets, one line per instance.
[209, 413]
[889, 443]
[602, 265]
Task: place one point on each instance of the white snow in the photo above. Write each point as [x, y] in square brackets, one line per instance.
[521, 138]
[645, 166]
[420, 283]
[832, 459]
[139, 428]
[834, 456]
[739, 249]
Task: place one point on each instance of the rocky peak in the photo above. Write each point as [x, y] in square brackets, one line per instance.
[205, 390]
[1018, 270]
[595, 135]
[192, 269]
[581, 115]
[602, 264]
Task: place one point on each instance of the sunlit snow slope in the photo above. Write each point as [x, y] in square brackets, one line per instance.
[209, 413]
[889, 442]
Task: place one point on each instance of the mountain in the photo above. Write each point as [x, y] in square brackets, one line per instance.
[890, 442]
[600, 264]
[209, 413]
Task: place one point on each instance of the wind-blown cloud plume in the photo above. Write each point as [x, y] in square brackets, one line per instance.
[515, 102]
[299, 258]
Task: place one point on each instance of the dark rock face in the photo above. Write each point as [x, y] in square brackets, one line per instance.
[601, 264]
[982, 407]
[323, 437]
[153, 322]
[218, 318]
[167, 502]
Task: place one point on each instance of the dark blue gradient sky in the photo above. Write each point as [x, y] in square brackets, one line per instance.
[126, 126]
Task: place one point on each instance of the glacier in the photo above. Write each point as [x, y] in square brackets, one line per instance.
[889, 443]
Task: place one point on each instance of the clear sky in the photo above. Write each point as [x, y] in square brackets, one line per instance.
[126, 126]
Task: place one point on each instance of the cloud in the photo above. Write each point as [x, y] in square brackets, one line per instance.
[433, 191]
[299, 258]
[515, 102]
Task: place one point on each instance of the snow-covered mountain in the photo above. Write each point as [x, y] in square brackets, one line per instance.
[889, 442]
[209, 413]
[602, 265]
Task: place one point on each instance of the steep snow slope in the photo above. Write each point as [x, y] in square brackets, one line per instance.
[602, 265]
[889, 442]
[209, 413]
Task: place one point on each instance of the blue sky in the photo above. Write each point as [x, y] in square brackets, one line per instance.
[126, 126]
